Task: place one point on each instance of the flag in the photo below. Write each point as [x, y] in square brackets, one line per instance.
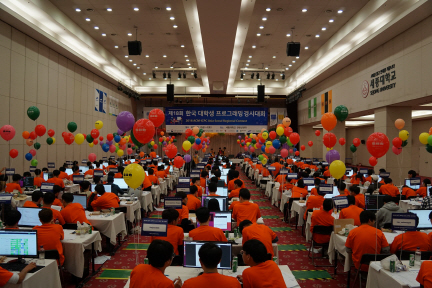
[326, 102]
[312, 108]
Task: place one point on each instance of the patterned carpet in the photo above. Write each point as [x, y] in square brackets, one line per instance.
[292, 252]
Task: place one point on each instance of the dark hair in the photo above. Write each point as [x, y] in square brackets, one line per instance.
[84, 185]
[120, 169]
[244, 224]
[159, 252]
[12, 217]
[244, 193]
[62, 169]
[236, 174]
[203, 214]
[110, 179]
[426, 181]
[367, 215]
[387, 199]
[27, 174]
[388, 180]
[204, 173]
[170, 214]
[56, 173]
[300, 183]
[212, 187]
[45, 169]
[193, 189]
[181, 195]
[317, 181]
[37, 171]
[100, 189]
[36, 195]
[75, 168]
[210, 255]
[355, 189]
[195, 179]
[213, 205]
[150, 171]
[68, 197]
[97, 164]
[48, 198]
[430, 215]
[341, 186]
[96, 179]
[111, 174]
[238, 182]
[328, 204]
[217, 173]
[370, 172]
[46, 214]
[256, 250]
[56, 189]
[16, 177]
[412, 173]
[351, 200]
[214, 179]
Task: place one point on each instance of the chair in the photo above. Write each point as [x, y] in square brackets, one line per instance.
[287, 209]
[365, 260]
[321, 230]
[425, 255]
[70, 226]
[54, 255]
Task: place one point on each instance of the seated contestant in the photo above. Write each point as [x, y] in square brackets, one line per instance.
[245, 210]
[10, 187]
[56, 180]
[313, 202]
[427, 201]
[205, 232]
[184, 211]
[73, 212]
[384, 214]
[210, 256]
[36, 200]
[258, 232]
[49, 234]
[314, 191]
[147, 184]
[37, 180]
[212, 187]
[153, 179]
[410, 241]
[63, 174]
[322, 218]
[374, 185]
[114, 187]
[97, 164]
[119, 174]
[412, 174]
[197, 182]
[48, 200]
[235, 175]
[56, 191]
[161, 172]
[7, 277]
[366, 239]
[213, 205]
[424, 276]
[12, 217]
[422, 191]
[388, 188]
[351, 212]
[203, 178]
[286, 184]
[342, 189]
[105, 200]
[299, 190]
[175, 234]
[236, 191]
[90, 170]
[75, 171]
[408, 192]
[193, 202]
[263, 272]
[359, 198]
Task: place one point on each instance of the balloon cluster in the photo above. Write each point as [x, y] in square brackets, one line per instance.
[195, 138]
[426, 139]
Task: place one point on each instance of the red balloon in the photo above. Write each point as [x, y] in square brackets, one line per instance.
[272, 135]
[94, 133]
[129, 151]
[302, 147]
[397, 150]
[178, 161]
[245, 148]
[170, 151]
[13, 153]
[284, 153]
[294, 138]
[373, 161]
[92, 157]
[160, 139]
[101, 138]
[33, 135]
[342, 141]
[291, 151]
[188, 132]
[272, 150]
[144, 130]
[95, 141]
[378, 144]
[157, 116]
[397, 142]
[112, 148]
[252, 149]
[64, 134]
[110, 137]
[297, 153]
[356, 142]
[287, 131]
[69, 138]
[317, 132]
[310, 143]
[51, 132]
[155, 146]
[329, 140]
[40, 130]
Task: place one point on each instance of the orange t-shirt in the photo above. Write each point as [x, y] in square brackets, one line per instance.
[278, 167]
[106, 201]
[246, 211]
[424, 276]
[161, 174]
[56, 216]
[70, 177]
[259, 232]
[89, 172]
[30, 204]
[266, 274]
[202, 182]
[193, 202]
[411, 240]
[152, 154]
[327, 173]
[313, 202]
[183, 212]
[145, 275]
[212, 280]
[63, 175]
[361, 240]
[10, 187]
[207, 233]
[231, 207]
[286, 186]
[57, 202]
[389, 189]
[5, 275]
[360, 200]
[321, 218]
[56, 181]
[175, 236]
[199, 190]
[234, 193]
[408, 192]
[345, 193]
[118, 175]
[37, 181]
[49, 235]
[231, 184]
[422, 192]
[298, 192]
[153, 179]
[351, 212]
[146, 183]
[74, 212]
[314, 192]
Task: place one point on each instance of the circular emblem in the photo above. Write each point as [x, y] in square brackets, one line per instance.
[365, 89]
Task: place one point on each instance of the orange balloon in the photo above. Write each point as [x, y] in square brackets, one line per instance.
[286, 122]
[399, 124]
[267, 150]
[262, 130]
[328, 121]
[195, 130]
[430, 131]
[265, 156]
[280, 125]
[141, 154]
[25, 134]
[162, 133]
[29, 142]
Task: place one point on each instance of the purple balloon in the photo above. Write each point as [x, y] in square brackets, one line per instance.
[239, 136]
[109, 143]
[187, 158]
[285, 146]
[120, 132]
[164, 143]
[125, 121]
[332, 155]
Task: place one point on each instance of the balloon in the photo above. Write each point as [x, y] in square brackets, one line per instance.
[143, 130]
[302, 147]
[342, 141]
[310, 143]
[117, 138]
[396, 150]
[123, 141]
[33, 135]
[94, 133]
[329, 140]
[7, 132]
[353, 148]
[95, 141]
[29, 142]
[178, 161]
[328, 121]
[287, 131]
[32, 152]
[187, 158]
[28, 156]
[265, 135]
[155, 146]
[423, 138]
[291, 151]
[92, 157]
[428, 148]
[286, 122]
[297, 153]
[33, 112]
[332, 155]
[54, 140]
[129, 151]
[252, 149]
[13, 153]
[263, 147]
[134, 175]
[404, 134]
[72, 127]
[157, 116]
[40, 130]
[26, 134]
[276, 144]
[110, 137]
[198, 141]
[337, 169]
[317, 132]
[373, 161]
[264, 161]
[188, 132]
[171, 151]
[430, 131]
[284, 153]
[356, 142]
[191, 139]
[99, 125]
[294, 138]
[49, 141]
[120, 152]
[34, 162]
[268, 144]
[105, 147]
[341, 113]
[272, 134]
[79, 138]
[51, 132]
[377, 144]
[404, 143]
[429, 140]
[399, 124]
[125, 121]
[397, 142]
[112, 148]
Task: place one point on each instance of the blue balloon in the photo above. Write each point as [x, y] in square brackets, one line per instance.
[28, 156]
[117, 138]
[198, 141]
[276, 144]
[105, 147]
[295, 149]
[263, 148]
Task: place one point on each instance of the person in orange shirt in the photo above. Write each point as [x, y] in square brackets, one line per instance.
[422, 191]
[184, 211]
[10, 187]
[424, 277]
[193, 202]
[231, 207]
[152, 154]
[196, 182]
[63, 174]
[357, 179]
[49, 234]
[161, 172]
[212, 187]
[12, 217]
[326, 172]
[322, 218]
[314, 191]
[36, 200]
[263, 272]
[342, 189]
[236, 175]
[203, 178]
[246, 210]
[37, 180]
[175, 234]
[313, 202]
[408, 192]
[259, 232]
[210, 255]
[236, 191]
[147, 184]
[75, 171]
[299, 190]
[366, 239]
[90, 170]
[159, 255]
[73, 212]
[369, 178]
[205, 232]
[119, 174]
[359, 198]
[286, 184]
[7, 277]
[410, 240]
[97, 164]
[153, 179]
[56, 180]
[48, 200]
[56, 191]
[388, 188]
[351, 212]
[106, 200]
[411, 174]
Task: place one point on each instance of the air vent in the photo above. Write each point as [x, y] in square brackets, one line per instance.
[156, 8]
[308, 35]
[268, 34]
[113, 34]
[89, 10]
[329, 11]
[279, 9]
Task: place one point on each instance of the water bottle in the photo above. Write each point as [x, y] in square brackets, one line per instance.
[418, 257]
[41, 255]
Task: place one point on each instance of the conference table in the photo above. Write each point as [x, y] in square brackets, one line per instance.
[147, 201]
[74, 189]
[406, 205]
[300, 209]
[20, 200]
[132, 208]
[381, 278]
[156, 192]
[108, 225]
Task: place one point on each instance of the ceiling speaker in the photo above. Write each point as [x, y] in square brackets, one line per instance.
[293, 49]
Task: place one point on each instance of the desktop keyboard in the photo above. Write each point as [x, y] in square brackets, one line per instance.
[18, 267]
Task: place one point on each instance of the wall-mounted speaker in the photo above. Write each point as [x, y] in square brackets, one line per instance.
[134, 47]
[261, 93]
[293, 49]
[363, 142]
[170, 92]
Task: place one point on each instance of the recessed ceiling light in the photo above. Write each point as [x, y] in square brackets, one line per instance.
[268, 9]
[259, 34]
[286, 68]
[247, 64]
[109, 9]
[171, 67]
[297, 57]
[150, 78]
[261, 27]
[340, 11]
[264, 18]
[306, 47]
[129, 34]
[186, 56]
[248, 60]
[324, 29]
[188, 64]
[253, 46]
[277, 79]
[293, 61]
[144, 73]
[182, 46]
[156, 67]
[317, 35]
[164, 56]
[87, 19]
[116, 47]
[136, 9]
[138, 67]
[288, 35]
[96, 27]
[266, 68]
[130, 60]
[250, 56]
[187, 60]
[241, 79]
[175, 26]
[274, 56]
[126, 56]
[78, 10]
[147, 56]
[290, 65]
[168, 8]
[103, 34]
[304, 10]
[172, 18]
[134, 64]
[331, 20]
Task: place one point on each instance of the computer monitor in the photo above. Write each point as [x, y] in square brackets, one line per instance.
[146, 173]
[107, 188]
[423, 215]
[374, 202]
[81, 199]
[309, 188]
[68, 171]
[83, 169]
[222, 191]
[19, 243]
[28, 182]
[132, 160]
[222, 201]
[29, 217]
[191, 258]
[121, 183]
[225, 171]
[221, 220]
[334, 194]
[45, 176]
[224, 178]
[349, 173]
[412, 185]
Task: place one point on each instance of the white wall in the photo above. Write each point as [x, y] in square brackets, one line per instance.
[31, 74]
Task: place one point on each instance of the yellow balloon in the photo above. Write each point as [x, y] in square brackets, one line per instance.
[424, 138]
[116, 144]
[264, 161]
[98, 124]
[337, 169]
[279, 131]
[79, 138]
[328, 149]
[152, 143]
[255, 146]
[264, 135]
[134, 175]
[120, 152]
[53, 140]
[186, 145]
[268, 144]
[251, 135]
[403, 135]
[91, 144]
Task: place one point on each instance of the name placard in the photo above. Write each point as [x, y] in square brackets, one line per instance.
[78, 178]
[5, 198]
[324, 163]
[292, 175]
[195, 175]
[415, 181]
[98, 173]
[114, 170]
[10, 171]
[404, 221]
[309, 181]
[47, 187]
[173, 202]
[384, 174]
[52, 164]
[154, 227]
[340, 202]
[271, 168]
[183, 189]
[326, 189]
[32, 168]
[363, 171]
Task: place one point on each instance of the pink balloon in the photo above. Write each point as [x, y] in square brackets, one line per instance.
[112, 148]
[129, 151]
[284, 153]
[252, 149]
[32, 152]
[123, 147]
[245, 148]
[7, 132]
[396, 150]
[92, 157]
[291, 150]
[272, 150]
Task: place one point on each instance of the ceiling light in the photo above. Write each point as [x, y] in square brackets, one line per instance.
[103, 34]
[168, 8]
[96, 27]
[259, 34]
[134, 64]
[138, 67]
[304, 10]
[116, 47]
[293, 61]
[187, 60]
[277, 79]
[136, 9]
[109, 9]
[247, 64]
[171, 67]
[151, 78]
[164, 56]
[130, 60]
[182, 46]
[188, 64]
[297, 57]
[268, 9]
[253, 46]
[266, 68]
[175, 26]
[340, 11]
[129, 34]
[317, 35]
[306, 47]
[248, 60]
[331, 20]
[261, 27]
[324, 29]
[250, 56]
[144, 73]
[126, 56]
[186, 56]
[78, 10]
[87, 19]
[286, 68]
[172, 18]
[264, 19]
[147, 56]
[288, 35]
[156, 67]
[274, 56]
[290, 65]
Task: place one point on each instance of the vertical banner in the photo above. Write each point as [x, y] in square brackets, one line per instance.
[100, 101]
[326, 102]
[273, 116]
[312, 108]
[281, 114]
[96, 100]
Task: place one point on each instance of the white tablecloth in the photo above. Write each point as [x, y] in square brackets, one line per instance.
[386, 279]
[284, 199]
[47, 277]
[163, 186]
[268, 190]
[20, 203]
[147, 201]
[300, 209]
[408, 204]
[156, 191]
[131, 214]
[74, 247]
[74, 188]
[109, 226]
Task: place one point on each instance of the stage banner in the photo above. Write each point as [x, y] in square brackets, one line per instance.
[216, 119]
[273, 116]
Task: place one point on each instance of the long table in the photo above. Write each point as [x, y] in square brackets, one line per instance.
[381, 278]
[409, 205]
[109, 226]
[131, 214]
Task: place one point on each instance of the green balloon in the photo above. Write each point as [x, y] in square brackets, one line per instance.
[175, 140]
[353, 148]
[49, 141]
[428, 148]
[289, 142]
[34, 162]
[89, 138]
[149, 145]
[429, 140]
[72, 126]
[341, 112]
[283, 139]
[33, 112]
[199, 134]
[134, 147]
[253, 141]
[404, 143]
[134, 140]
[260, 157]
[117, 148]
[160, 143]
[37, 145]
[191, 139]
[115, 134]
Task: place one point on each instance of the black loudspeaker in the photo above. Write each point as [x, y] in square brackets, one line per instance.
[170, 92]
[261, 93]
[293, 49]
[363, 142]
[134, 47]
